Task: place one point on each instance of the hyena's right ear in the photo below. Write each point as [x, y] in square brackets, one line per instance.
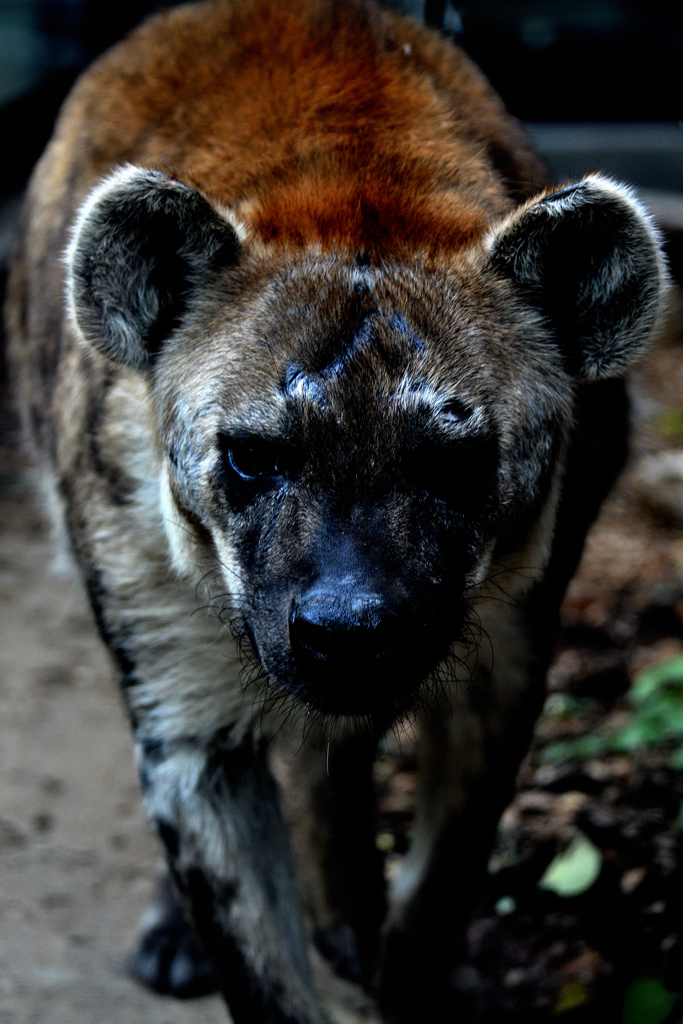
[142, 243]
[589, 259]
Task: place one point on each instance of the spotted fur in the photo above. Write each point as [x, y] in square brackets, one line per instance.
[320, 368]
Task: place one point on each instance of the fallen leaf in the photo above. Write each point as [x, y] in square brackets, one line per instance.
[575, 870]
[572, 994]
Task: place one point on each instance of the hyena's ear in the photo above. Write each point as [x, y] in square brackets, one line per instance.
[142, 243]
[589, 258]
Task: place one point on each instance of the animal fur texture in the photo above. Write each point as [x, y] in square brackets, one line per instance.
[327, 381]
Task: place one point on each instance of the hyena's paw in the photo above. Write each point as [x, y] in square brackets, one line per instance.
[168, 958]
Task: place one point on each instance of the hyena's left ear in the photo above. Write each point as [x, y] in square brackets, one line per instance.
[589, 258]
[142, 244]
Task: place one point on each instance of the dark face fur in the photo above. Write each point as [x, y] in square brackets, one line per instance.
[354, 478]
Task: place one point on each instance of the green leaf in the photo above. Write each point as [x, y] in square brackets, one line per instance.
[575, 870]
[647, 1002]
[581, 747]
[675, 720]
[656, 698]
[653, 678]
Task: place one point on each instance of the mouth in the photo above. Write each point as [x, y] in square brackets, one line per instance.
[393, 684]
[374, 691]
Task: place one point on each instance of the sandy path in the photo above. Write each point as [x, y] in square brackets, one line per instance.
[77, 860]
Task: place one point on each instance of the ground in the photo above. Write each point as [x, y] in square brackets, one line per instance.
[77, 861]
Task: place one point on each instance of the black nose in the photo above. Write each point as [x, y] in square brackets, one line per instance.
[341, 622]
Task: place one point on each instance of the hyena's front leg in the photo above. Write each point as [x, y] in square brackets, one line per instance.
[330, 804]
[218, 814]
[468, 765]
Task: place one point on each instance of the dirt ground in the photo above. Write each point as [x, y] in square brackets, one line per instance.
[77, 861]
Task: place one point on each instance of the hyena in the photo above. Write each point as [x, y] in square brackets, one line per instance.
[328, 380]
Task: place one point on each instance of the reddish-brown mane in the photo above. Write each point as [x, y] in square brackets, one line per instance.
[392, 148]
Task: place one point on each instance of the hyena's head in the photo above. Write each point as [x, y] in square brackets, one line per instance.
[360, 444]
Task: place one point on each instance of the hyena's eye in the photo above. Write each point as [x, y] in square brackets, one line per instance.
[456, 412]
[254, 457]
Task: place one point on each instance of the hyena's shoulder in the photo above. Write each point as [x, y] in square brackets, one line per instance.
[292, 111]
